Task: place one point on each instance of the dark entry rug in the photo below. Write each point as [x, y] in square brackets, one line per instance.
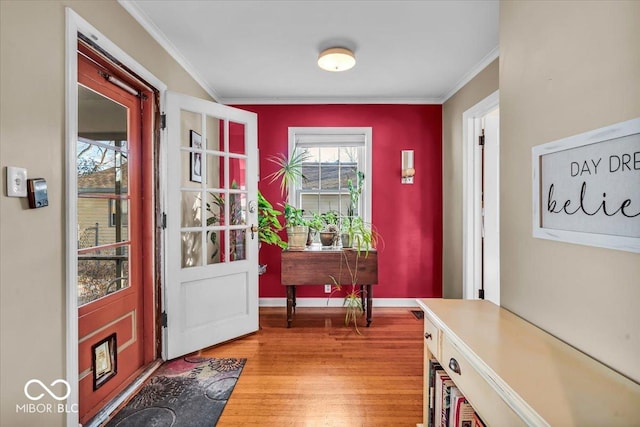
[190, 391]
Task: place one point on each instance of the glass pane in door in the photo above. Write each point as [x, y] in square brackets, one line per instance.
[103, 196]
[191, 209]
[237, 138]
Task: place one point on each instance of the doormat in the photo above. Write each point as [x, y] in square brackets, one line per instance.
[190, 391]
[419, 314]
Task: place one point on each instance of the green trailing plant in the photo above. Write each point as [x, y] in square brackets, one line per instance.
[268, 223]
[353, 298]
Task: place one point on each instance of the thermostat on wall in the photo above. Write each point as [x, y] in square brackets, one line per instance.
[37, 192]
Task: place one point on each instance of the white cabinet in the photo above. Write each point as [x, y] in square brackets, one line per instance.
[514, 373]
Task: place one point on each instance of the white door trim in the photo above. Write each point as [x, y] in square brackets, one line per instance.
[471, 225]
[76, 24]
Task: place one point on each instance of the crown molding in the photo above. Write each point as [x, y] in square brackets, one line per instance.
[146, 23]
[340, 100]
[488, 59]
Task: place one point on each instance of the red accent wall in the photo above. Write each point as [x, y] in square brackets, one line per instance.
[409, 217]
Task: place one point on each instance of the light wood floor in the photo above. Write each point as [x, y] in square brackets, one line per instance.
[321, 373]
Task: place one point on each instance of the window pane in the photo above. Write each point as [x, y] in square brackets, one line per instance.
[329, 176]
[215, 246]
[191, 249]
[102, 272]
[95, 226]
[311, 174]
[101, 170]
[236, 138]
[238, 173]
[310, 203]
[238, 209]
[191, 166]
[215, 209]
[329, 202]
[215, 134]
[191, 209]
[215, 171]
[189, 121]
[238, 245]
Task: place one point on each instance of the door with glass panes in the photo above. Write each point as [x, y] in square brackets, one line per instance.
[211, 286]
[115, 251]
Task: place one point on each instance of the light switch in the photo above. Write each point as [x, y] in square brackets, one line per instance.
[16, 182]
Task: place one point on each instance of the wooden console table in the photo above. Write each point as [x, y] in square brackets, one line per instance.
[315, 267]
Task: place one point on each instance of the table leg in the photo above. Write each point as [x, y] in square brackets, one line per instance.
[362, 298]
[290, 299]
[369, 304]
[294, 297]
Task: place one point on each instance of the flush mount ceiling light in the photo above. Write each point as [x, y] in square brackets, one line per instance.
[336, 59]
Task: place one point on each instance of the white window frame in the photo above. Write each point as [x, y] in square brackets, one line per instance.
[336, 136]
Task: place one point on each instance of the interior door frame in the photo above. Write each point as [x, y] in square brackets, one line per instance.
[76, 24]
[471, 187]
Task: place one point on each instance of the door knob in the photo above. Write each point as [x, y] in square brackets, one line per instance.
[254, 229]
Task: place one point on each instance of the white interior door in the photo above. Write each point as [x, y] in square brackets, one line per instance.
[491, 241]
[211, 286]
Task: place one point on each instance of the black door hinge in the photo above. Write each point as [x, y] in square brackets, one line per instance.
[163, 319]
[481, 138]
[163, 121]
[481, 293]
[163, 220]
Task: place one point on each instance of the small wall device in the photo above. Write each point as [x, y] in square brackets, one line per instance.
[37, 193]
[16, 182]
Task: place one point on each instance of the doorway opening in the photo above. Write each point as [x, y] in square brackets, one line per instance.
[112, 181]
[481, 200]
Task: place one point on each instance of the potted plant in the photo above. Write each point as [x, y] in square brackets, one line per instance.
[353, 298]
[316, 224]
[329, 233]
[268, 223]
[297, 227]
[350, 224]
[289, 172]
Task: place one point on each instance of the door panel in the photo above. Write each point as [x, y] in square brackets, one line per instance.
[115, 244]
[212, 277]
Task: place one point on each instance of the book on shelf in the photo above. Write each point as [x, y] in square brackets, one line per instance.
[460, 411]
[433, 366]
[441, 394]
[477, 421]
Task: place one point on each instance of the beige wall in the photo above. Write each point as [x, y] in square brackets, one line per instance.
[566, 68]
[32, 245]
[483, 85]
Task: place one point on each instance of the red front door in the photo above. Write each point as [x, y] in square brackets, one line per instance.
[115, 229]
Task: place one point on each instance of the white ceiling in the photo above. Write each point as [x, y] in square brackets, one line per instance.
[265, 52]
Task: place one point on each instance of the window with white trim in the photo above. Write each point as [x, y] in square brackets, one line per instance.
[334, 157]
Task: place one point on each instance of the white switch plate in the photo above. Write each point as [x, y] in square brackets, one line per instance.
[327, 289]
[16, 182]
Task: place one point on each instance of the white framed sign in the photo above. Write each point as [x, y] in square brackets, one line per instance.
[586, 188]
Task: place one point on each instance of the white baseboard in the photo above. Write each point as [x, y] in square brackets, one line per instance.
[336, 302]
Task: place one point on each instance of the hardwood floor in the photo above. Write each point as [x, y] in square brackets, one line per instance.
[321, 373]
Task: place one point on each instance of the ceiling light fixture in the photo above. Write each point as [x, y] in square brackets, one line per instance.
[336, 59]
